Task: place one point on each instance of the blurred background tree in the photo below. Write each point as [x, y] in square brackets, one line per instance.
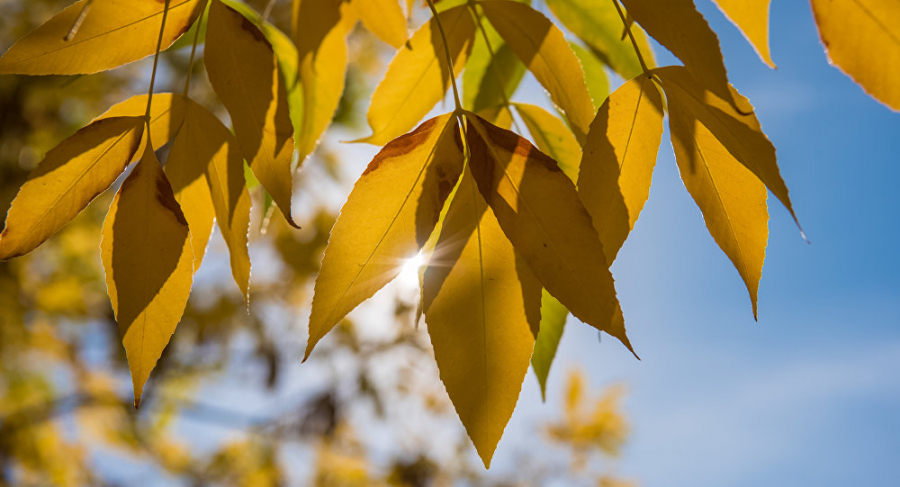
[229, 403]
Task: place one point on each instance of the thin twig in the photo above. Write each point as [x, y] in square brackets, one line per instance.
[162, 29]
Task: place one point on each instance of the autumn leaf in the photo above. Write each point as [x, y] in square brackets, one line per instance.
[552, 137]
[112, 33]
[166, 116]
[680, 28]
[384, 18]
[553, 322]
[387, 218]
[731, 197]
[493, 72]
[594, 74]
[70, 176]
[529, 194]
[146, 253]
[618, 161]
[418, 76]
[597, 23]
[244, 73]
[752, 18]
[206, 172]
[862, 38]
[544, 50]
[320, 28]
[480, 303]
[740, 133]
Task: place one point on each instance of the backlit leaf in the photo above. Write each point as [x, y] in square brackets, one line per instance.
[544, 50]
[384, 18]
[480, 302]
[680, 28]
[493, 72]
[244, 73]
[206, 171]
[113, 33]
[863, 39]
[70, 176]
[387, 218]
[619, 158]
[166, 116]
[418, 76]
[146, 253]
[552, 137]
[752, 17]
[553, 322]
[594, 75]
[597, 23]
[732, 199]
[739, 133]
[320, 29]
[540, 212]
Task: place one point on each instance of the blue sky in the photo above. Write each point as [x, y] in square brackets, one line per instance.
[809, 395]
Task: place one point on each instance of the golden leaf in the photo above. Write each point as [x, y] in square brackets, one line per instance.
[244, 73]
[387, 218]
[752, 18]
[384, 18]
[146, 253]
[418, 76]
[113, 33]
[70, 176]
[480, 303]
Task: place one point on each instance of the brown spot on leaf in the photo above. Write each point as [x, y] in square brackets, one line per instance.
[167, 199]
[402, 145]
[251, 28]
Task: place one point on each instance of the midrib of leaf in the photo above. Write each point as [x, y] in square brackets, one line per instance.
[524, 203]
[484, 324]
[86, 39]
[388, 230]
[60, 196]
[715, 187]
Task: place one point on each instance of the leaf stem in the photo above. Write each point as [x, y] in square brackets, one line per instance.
[162, 29]
[637, 50]
[190, 70]
[437, 20]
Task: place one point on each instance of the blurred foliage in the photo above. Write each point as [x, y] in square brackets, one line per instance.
[229, 404]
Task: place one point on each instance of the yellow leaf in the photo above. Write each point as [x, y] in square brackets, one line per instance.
[387, 218]
[166, 116]
[493, 72]
[418, 76]
[732, 199]
[552, 137]
[146, 253]
[539, 210]
[553, 322]
[113, 33]
[752, 18]
[480, 302]
[69, 177]
[544, 50]
[384, 18]
[738, 132]
[244, 73]
[680, 28]
[206, 171]
[320, 28]
[863, 39]
[597, 23]
[619, 158]
[594, 74]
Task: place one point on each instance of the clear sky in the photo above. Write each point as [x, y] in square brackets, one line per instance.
[809, 395]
